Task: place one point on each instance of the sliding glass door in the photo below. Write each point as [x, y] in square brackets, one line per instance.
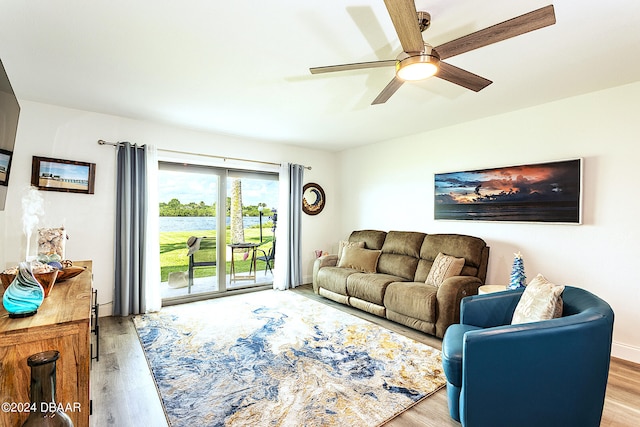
[217, 229]
[252, 199]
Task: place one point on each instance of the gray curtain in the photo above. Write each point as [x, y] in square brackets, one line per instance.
[288, 264]
[296, 174]
[130, 239]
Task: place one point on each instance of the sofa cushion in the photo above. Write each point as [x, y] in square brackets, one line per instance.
[364, 260]
[344, 243]
[413, 299]
[335, 279]
[398, 265]
[460, 246]
[400, 254]
[403, 243]
[369, 287]
[541, 300]
[373, 239]
[444, 266]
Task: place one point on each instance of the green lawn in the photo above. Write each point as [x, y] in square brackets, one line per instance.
[173, 251]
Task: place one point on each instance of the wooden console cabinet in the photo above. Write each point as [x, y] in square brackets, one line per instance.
[62, 323]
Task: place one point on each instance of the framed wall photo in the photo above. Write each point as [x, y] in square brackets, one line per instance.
[68, 176]
[542, 192]
[5, 166]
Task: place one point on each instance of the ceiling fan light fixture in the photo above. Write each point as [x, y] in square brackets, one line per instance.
[418, 67]
[415, 70]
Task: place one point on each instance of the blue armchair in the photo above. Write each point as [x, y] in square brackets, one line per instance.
[549, 373]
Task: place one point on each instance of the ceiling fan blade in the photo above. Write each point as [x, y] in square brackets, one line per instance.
[389, 90]
[405, 20]
[505, 30]
[462, 77]
[354, 66]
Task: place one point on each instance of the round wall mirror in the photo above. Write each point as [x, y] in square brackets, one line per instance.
[313, 199]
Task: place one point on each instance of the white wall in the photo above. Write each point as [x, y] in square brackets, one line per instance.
[51, 131]
[390, 186]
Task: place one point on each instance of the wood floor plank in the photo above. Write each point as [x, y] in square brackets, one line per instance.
[124, 394]
[122, 388]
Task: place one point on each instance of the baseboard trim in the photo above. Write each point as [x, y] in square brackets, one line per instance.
[106, 309]
[626, 352]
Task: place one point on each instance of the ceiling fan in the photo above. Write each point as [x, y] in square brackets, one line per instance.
[419, 60]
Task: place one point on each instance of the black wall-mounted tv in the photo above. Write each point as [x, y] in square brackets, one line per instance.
[9, 113]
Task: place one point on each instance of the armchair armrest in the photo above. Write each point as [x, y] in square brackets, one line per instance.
[450, 293]
[323, 261]
[489, 310]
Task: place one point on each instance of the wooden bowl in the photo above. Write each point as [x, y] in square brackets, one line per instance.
[6, 279]
[47, 280]
[69, 272]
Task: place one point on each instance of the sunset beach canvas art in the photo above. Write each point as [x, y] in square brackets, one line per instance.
[541, 192]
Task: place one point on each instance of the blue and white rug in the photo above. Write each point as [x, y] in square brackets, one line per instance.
[276, 358]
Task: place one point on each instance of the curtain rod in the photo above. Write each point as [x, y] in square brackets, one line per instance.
[224, 158]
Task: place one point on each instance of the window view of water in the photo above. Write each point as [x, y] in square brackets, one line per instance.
[189, 223]
[190, 197]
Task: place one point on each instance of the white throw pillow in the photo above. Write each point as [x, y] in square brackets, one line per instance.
[444, 266]
[541, 300]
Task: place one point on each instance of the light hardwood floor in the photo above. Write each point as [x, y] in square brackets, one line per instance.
[124, 394]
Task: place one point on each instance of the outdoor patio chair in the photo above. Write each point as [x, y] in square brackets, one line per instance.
[202, 253]
[268, 257]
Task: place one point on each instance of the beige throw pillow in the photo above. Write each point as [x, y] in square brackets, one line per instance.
[364, 260]
[444, 266]
[541, 300]
[345, 243]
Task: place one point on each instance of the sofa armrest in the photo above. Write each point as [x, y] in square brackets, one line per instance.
[323, 261]
[489, 310]
[450, 292]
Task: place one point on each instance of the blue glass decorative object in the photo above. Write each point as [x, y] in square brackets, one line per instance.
[23, 297]
[518, 278]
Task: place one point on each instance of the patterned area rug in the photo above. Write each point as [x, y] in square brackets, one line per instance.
[276, 358]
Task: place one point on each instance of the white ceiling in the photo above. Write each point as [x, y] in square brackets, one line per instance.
[241, 67]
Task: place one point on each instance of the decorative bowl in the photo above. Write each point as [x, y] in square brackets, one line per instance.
[69, 272]
[47, 280]
[6, 279]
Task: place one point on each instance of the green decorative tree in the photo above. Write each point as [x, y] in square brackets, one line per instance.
[518, 278]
